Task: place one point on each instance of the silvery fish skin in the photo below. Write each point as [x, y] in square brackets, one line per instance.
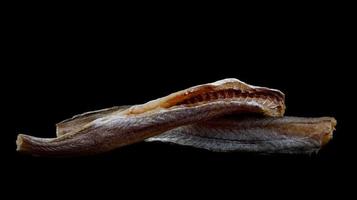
[286, 135]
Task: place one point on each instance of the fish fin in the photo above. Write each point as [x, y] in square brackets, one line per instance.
[78, 121]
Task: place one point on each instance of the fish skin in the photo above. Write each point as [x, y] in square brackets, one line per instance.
[286, 135]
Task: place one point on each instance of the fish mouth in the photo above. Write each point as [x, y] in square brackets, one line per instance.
[269, 101]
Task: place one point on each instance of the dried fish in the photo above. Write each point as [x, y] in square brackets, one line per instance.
[108, 129]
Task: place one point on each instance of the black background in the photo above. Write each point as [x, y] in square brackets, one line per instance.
[65, 65]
